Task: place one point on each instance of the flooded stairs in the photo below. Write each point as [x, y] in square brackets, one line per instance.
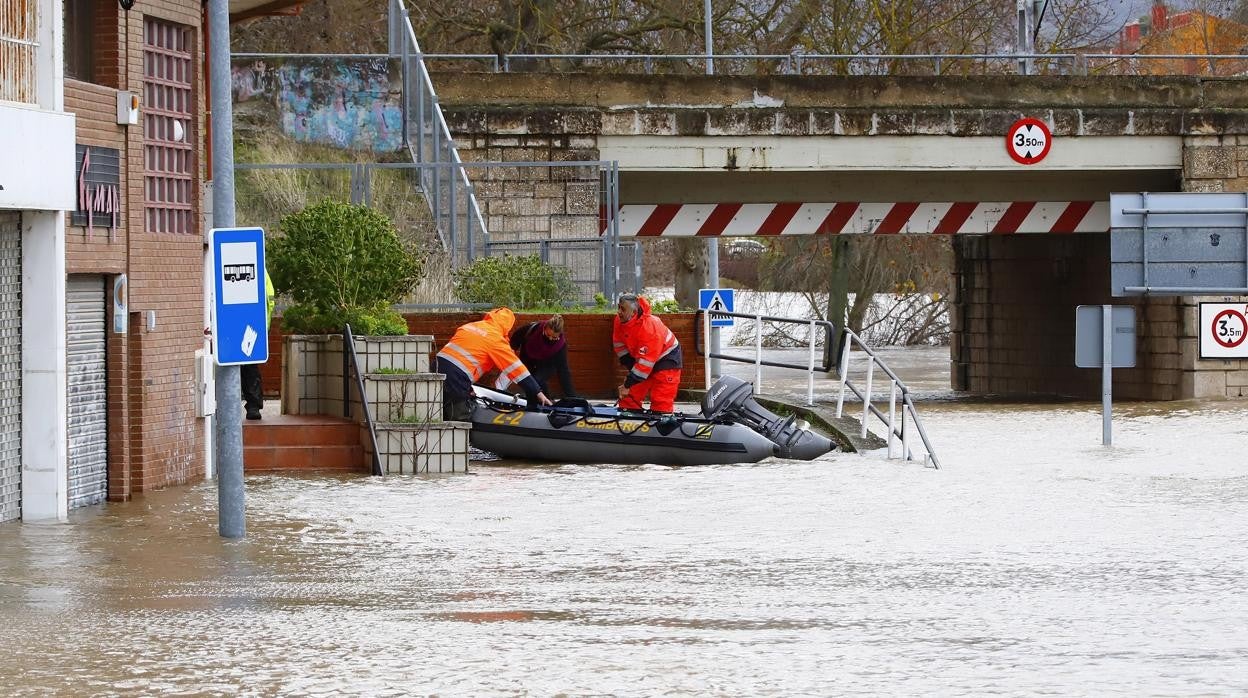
[285, 442]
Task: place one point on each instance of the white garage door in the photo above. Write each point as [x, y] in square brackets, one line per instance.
[10, 366]
[88, 390]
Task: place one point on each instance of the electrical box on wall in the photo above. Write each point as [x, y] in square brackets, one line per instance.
[127, 108]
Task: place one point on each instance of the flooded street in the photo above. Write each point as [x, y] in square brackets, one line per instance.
[1035, 561]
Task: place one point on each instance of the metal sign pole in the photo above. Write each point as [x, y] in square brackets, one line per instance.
[1107, 372]
[231, 506]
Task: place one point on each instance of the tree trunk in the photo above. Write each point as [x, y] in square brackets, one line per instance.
[691, 268]
[838, 294]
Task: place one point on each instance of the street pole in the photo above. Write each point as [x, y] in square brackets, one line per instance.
[231, 520]
[712, 242]
[1107, 374]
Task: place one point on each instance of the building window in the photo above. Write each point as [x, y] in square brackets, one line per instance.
[19, 27]
[168, 156]
[79, 39]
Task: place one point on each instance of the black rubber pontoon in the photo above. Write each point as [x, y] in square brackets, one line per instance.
[732, 429]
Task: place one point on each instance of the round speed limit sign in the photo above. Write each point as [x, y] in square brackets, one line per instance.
[1028, 141]
[1224, 327]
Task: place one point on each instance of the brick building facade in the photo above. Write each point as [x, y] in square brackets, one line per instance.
[148, 227]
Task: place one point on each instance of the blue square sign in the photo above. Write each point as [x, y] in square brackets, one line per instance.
[240, 311]
[713, 299]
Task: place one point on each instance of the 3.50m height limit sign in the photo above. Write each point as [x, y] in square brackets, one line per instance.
[1028, 141]
[1223, 329]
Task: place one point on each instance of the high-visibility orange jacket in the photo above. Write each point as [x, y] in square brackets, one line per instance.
[644, 344]
[482, 346]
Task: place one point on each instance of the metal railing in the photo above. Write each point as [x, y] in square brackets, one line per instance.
[351, 362]
[265, 192]
[860, 64]
[703, 339]
[896, 430]
[448, 191]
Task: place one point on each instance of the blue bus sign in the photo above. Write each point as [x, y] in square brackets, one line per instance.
[240, 318]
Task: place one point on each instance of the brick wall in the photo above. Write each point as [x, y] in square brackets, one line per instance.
[155, 439]
[595, 370]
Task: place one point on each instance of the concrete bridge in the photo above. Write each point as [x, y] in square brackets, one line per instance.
[907, 155]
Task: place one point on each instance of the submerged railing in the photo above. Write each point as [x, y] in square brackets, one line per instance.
[896, 430]
[813, 327]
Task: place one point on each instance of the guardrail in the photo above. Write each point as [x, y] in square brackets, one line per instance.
[867, 64]
[703, 339]
[895, 431]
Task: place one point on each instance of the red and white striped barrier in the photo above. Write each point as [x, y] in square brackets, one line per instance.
[853, 218]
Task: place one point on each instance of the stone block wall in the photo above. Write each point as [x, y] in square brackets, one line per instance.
[1211, 163]
[532, 202]
[1013, 320]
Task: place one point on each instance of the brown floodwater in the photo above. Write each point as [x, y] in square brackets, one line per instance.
[1035, 561]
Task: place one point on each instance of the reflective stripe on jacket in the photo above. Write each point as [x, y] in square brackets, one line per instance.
[648, 341]
[480, 347]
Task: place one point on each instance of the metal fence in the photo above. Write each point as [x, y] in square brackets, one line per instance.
[553, 210]
[1220, 65]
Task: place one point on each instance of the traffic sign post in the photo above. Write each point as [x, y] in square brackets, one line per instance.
[721, 299]
[1223, 329]
[1028, 141]
[1105, 337]
[240, 311]
[711, 300]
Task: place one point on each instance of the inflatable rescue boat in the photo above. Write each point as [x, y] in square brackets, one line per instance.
[732, 428]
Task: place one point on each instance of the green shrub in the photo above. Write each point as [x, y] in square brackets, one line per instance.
[668, 305]
[341, 263]
[520, 283]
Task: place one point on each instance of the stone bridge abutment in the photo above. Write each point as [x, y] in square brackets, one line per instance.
[826, 140]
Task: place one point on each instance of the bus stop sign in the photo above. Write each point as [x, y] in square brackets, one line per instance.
[240, 308]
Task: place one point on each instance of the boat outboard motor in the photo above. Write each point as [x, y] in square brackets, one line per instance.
[733, 398]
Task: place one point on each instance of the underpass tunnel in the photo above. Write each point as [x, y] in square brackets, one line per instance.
[1014, 295]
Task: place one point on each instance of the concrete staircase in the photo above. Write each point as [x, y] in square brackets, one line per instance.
[302, 443]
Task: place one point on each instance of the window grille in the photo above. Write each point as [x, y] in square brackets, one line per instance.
[19, 27]
[168, 138]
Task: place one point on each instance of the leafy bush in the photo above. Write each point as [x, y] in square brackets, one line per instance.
[520, 283]
[667, 305]
[340, 263]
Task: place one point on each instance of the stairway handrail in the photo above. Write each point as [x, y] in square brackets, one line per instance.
[412, 50]
[348, 343]
[849, 337]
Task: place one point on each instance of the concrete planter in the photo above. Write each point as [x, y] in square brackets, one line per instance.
[312, 376]
[407, 406]
[412, 449]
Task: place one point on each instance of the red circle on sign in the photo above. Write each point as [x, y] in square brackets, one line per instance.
[1243, 323]
[1028, 141]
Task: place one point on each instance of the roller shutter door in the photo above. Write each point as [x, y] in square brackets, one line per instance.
[88, 391]
[10, 366]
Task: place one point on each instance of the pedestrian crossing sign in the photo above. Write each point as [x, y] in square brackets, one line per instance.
[721, 299]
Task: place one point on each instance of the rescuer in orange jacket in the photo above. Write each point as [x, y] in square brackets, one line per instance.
[475, 349]
[649, 351]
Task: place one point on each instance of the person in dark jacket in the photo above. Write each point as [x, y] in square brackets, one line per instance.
[543, 347]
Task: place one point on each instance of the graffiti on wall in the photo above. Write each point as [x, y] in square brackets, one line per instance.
[353, 103]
